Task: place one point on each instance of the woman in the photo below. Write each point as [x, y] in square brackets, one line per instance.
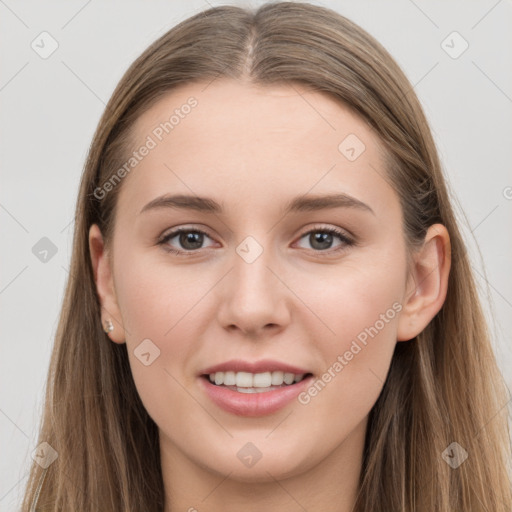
[270, 304]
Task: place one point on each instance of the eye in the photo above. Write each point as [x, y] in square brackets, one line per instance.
[189, 240]
[321, 239]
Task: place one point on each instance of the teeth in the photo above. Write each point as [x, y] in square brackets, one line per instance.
[229, 378]
[277, 378]
[254, 380]
[289, 378]
[261, 380]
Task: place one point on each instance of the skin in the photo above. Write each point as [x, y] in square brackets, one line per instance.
[253, 149]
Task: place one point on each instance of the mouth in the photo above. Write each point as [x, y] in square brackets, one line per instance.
[254, 388]
[246, 382]
[254, 394]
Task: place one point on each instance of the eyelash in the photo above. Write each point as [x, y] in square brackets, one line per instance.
[348, 242]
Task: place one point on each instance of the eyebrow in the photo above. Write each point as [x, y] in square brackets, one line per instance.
[305, 203]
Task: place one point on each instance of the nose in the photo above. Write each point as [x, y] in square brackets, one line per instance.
[253, 298]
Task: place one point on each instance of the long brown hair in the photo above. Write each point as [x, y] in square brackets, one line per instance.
[444, 386]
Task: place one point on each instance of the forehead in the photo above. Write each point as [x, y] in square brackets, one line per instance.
[243, 142]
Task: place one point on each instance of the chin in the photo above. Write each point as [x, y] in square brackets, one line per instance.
[268, 465]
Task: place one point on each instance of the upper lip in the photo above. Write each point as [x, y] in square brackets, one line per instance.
[262, 366]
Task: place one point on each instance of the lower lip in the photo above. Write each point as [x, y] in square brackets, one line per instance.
[253, 404]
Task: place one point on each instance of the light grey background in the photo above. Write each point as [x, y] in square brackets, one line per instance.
[50, 108]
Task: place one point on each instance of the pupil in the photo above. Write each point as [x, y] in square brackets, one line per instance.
[192, 237]
[323, 239]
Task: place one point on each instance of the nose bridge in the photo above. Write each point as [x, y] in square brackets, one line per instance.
[251, 266]
[253, 297]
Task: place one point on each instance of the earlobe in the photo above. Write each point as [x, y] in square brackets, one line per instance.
[430, 283]
[111, 319]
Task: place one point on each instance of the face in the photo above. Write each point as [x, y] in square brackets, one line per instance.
[315, 290]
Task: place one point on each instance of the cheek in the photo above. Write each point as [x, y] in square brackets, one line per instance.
[154, 296]
[359, 309]
[358, 300]
[156, 304]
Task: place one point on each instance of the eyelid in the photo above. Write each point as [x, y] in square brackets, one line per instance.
[182, 227]
[335, 229]
[173, 232]
[346, 240]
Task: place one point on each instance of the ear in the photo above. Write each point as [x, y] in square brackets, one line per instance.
[105, 284]
[427, 283]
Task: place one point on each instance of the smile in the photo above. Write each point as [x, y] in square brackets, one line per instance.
[252, 399]
[246, 382]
